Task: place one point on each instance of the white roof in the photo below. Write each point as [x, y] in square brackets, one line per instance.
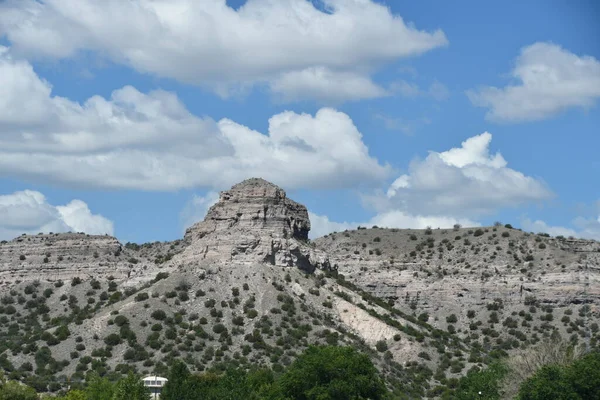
[155, 378]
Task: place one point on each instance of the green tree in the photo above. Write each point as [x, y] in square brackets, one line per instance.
[579, 380]
[550, 382]
[99, 388]
[330, 373]
[482, 384]
[232, 385]
[178, 385]
[584, 375]
[260, 381]
[74, 394]
[131, 388]
[11, 390]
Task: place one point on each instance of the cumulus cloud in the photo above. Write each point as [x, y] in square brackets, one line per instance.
[211, 44]
[463, 182]
[29, 212]
[321, 225]
[552, 79]
[150, 141]
[325, 85]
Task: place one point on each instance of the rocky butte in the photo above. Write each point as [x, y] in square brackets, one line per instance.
[254, 222]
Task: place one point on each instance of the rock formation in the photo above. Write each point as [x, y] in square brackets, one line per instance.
[254, 222]
[61, 256]
[445, 272]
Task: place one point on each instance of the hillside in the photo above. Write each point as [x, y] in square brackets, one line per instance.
[495, 286]
[246, 287]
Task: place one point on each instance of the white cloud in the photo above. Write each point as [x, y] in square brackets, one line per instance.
[78, 216]
[210, 44]
[552, 80]
[321, 225]
[463, 182]
[29, 212]
[151, 141]
[401, 182]
[325, 86]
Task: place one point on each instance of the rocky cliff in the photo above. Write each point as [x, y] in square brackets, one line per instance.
[60, 256]
[254, 222]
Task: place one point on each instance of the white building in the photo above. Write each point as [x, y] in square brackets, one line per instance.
[155, 384]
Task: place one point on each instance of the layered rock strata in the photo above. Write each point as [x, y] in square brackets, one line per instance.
[254, 222]
[62, 256]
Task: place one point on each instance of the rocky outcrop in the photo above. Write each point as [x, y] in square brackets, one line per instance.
[254, 222]
[62, 256]
[579, 245]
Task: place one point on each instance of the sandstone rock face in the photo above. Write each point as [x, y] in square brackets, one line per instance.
[253, 222]
[61, 256]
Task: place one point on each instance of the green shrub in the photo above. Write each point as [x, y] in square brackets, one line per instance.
[381, 346]
[183, 296]
[113, 339]
[160, 276]
[142, 296]
[159, 315]
[210, 303]
[121, 320]
[95, 284]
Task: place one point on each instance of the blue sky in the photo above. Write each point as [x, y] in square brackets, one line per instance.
[128, 117]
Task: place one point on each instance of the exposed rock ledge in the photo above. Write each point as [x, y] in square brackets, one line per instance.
[253, 222]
